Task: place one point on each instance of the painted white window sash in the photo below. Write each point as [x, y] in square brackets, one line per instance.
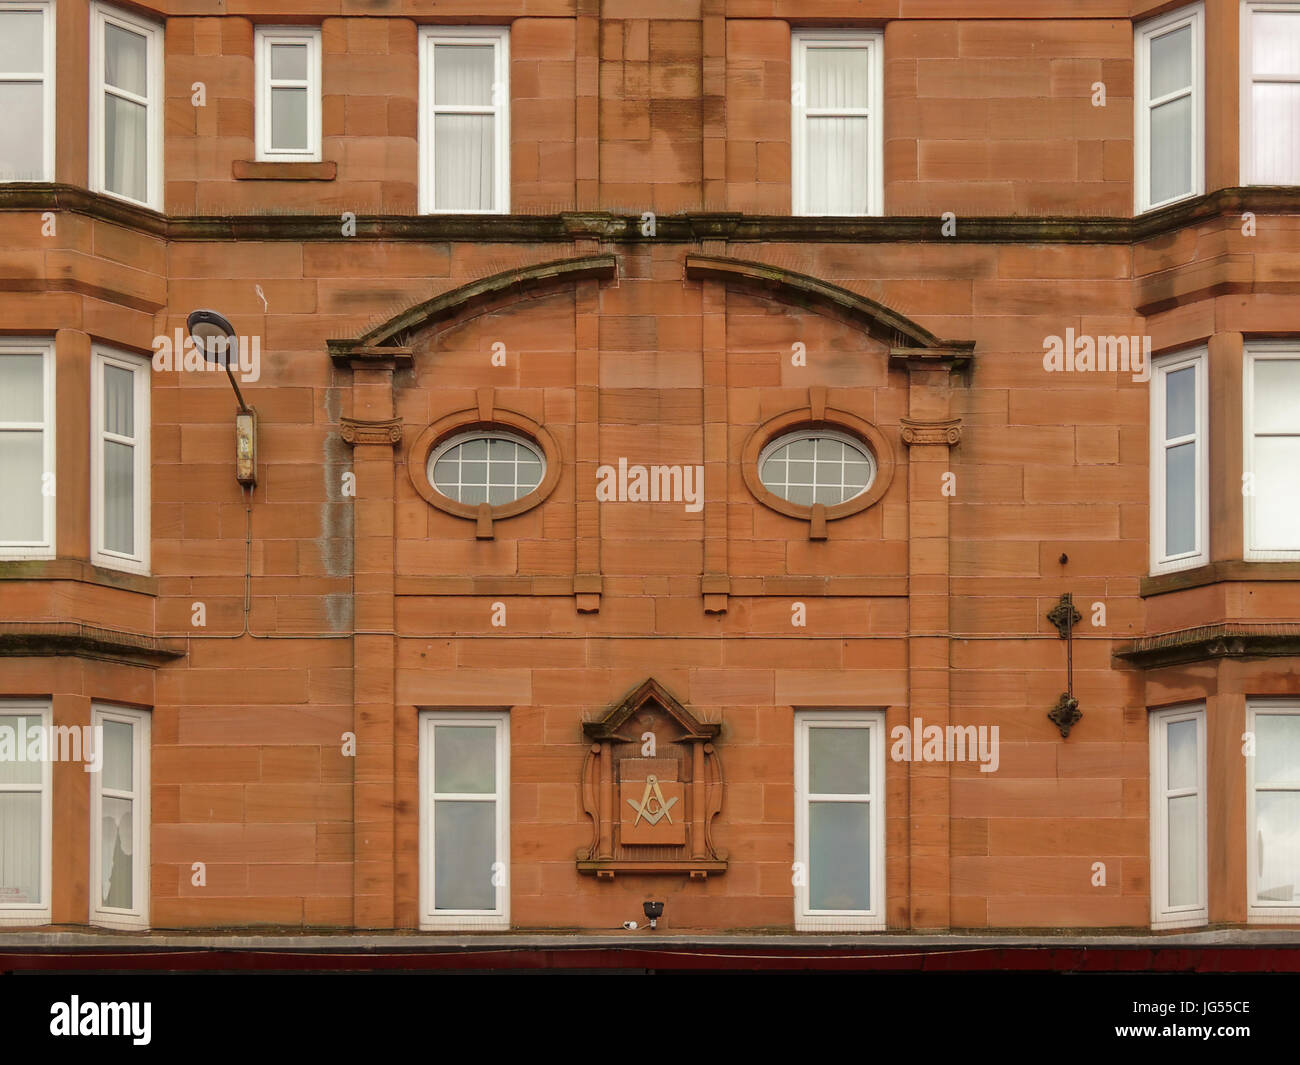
[873, 917]
[1145, 34]
[136, 914]
[1161, 560]
[807, 181]
[498, 108]
[1184, 912]
[1283, 142]
[1270, 858]
[42, 493]
[45, 79]
[1262, 546]
[103, 554]
[267, 38]
[33, 713]
[498, 872]
[102, 17]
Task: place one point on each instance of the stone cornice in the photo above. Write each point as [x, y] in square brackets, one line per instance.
[72, 639]
[679, 228]
[1206, 642]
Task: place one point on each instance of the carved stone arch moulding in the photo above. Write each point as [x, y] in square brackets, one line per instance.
[818, 415]
[489, 417]
[652, 785]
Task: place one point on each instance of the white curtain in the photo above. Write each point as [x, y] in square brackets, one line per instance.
[126, 121]
[838, 79]
[22, 102]
[1275, 116]
[464, 150]
[1276, 459]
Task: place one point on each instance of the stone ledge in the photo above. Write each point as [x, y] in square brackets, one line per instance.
[72, 639]
[1233, 570]
[1205, 642]
[254, 170]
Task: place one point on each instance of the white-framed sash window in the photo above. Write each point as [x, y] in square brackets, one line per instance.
[126, 106]
[119, 461]
[1169, 96]
[288, 79]
[1178, 817]
[27, 42]
[1271, 451]
[119, 818]
[1180, 508]
[26, 834]
[1270, 92]
[27, 451]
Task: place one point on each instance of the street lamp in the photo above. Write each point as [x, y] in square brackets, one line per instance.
[215, 338]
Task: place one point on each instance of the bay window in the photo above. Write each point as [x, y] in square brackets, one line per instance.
[126, 106]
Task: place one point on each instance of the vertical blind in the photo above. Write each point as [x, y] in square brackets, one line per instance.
[1275, 454]
[1274, 149]
[837, 116]
[22, 96]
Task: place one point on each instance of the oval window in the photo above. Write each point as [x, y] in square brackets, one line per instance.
[816, 466]
[486, 467]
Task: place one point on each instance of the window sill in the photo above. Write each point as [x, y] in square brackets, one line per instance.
[1215, 572]
[252, 170]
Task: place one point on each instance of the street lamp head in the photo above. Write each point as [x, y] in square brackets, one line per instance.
[213, 334]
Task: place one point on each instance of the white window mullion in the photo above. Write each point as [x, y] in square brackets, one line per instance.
[119, 461]
[464, 125]
[26, 805]
[837, 143]
[1271, 419]
[120, 818]
[295, 52]
[841, 754]
[1179, 461]
[126, 158]
[1169, 102]
[27, 44]
[464, 820]
[1179, 895]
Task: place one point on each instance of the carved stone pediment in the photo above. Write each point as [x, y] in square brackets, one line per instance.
[652, 784]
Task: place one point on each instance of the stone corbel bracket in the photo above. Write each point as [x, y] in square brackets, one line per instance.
[359, 431]
[947, 433]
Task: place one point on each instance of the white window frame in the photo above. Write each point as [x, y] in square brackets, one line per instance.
[265, 37]
[138, 915]
[25, 913]
[1269, 912]
[1259, 351]
[499, 37]
[485, 434]
[813, 434]
[140, 366]
[1144, 33]
[1248, 78]
[43, 347]
[1161, 366]
[47, 78]
[873, 42]
[1197, 913]
[100, 16]
[805, 918]
[497, 918]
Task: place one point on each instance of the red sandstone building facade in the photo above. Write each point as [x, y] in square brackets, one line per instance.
[676, 426]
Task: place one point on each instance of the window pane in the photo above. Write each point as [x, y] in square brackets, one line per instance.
[1171, 149]
[119, 497]
[1180, 403]
[289, 118]
[837, 77]
[1171, 62]
[289, 62]
[837, 166]
[1277, 493]
[18, 728]
[464, 758]
[126, 148]
[22, 43]
[1180, 499]
[1275, 42]
[22, 507]
[839, 761]
[1184, 827]
[1277, 748]
[1276, 399]
[22, 388]
[464, 162]
[22, 133]
[1275, 131]
[119, 401]
[462, 74]
[1183, 761]
[464, 848]
[118, 772]
[839, 852]
[126, 59]
[115, 853]
[20, 847]
[1277, 822]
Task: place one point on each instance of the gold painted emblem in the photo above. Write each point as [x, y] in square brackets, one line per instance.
[646, 807]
